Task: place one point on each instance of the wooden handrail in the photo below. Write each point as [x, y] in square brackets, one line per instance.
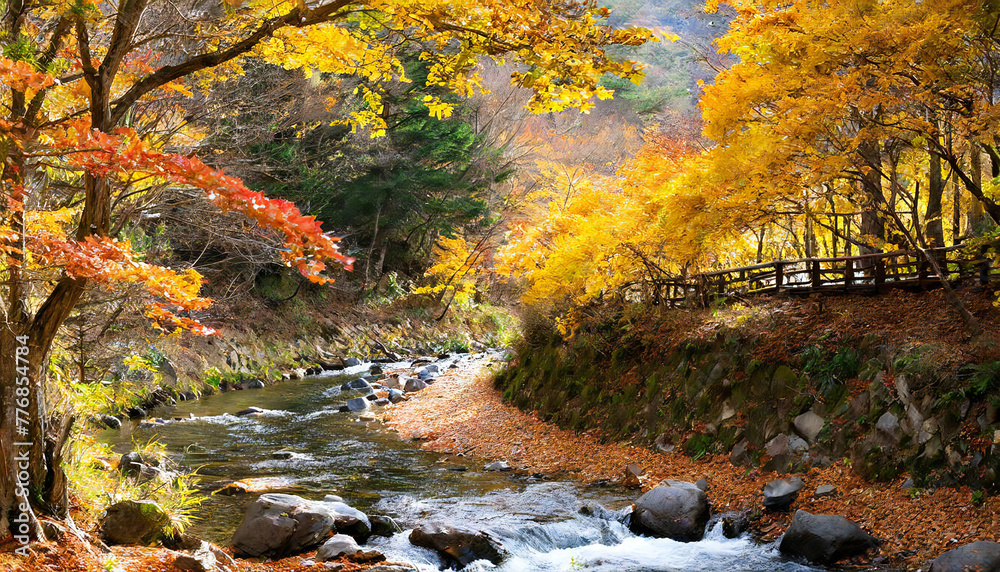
[863, 272]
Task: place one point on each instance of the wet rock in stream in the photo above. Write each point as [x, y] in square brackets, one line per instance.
[456, 546]
[280, 524]
[675, 510]
[824, 538]
[337, 546]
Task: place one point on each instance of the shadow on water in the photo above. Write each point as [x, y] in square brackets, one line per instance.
[325, 452]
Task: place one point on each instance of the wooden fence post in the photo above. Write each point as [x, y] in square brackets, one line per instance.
[848, 273]
[817, 277]
[779, 272]
[879, 274]
[923, 272]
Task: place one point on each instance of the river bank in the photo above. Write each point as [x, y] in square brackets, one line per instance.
[463, 414]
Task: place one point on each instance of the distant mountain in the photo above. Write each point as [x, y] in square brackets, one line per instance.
[674, 68]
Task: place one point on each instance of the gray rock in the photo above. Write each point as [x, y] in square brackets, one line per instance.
[825, 491]
[887, 428]
[425, 374]
[382, 402]
[338, 545]
[780, 493]
[739, 456]
[663, 444]
[353, 526]
[204, 557]
[357, 404]
[903, 390]
[282, 455]
[133, 522]
[255, 384]
[136, 413]
[778, 447]
[357, 384]
[498, 466]
[824, 538]
[111, 422]
[249, 411]
[392, 382]
[383, 526]
[728, 412]
[456, 546]
[375, 370]
[927, 430]
[396, 395]
[983, 556]
[734, 524]
[199, 562]
[188, 396]
[809, 425]
[702, 484]
[414, 384]
[350, 362]
[796, 445]
[676, 510]
[280, 524]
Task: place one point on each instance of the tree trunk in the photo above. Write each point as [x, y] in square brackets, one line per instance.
[976, 215]
[872, 224]
[935, 191]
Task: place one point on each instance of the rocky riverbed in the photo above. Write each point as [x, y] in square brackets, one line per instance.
[311, 478]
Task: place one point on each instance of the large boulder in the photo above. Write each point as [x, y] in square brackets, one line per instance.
[824, 538]
[982, 556]
[676, 510]
[279, 524]
[780, 493]
[133, 522]
[456, 546]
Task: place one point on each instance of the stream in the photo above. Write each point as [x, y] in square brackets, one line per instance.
[537, 521]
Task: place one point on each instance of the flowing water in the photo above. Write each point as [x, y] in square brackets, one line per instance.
[538, 522]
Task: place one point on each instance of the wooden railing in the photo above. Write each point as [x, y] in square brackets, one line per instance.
[867, 273]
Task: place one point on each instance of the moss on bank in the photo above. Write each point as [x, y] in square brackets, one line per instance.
[733, 381]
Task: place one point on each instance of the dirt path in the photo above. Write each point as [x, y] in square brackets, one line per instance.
[463, 413]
